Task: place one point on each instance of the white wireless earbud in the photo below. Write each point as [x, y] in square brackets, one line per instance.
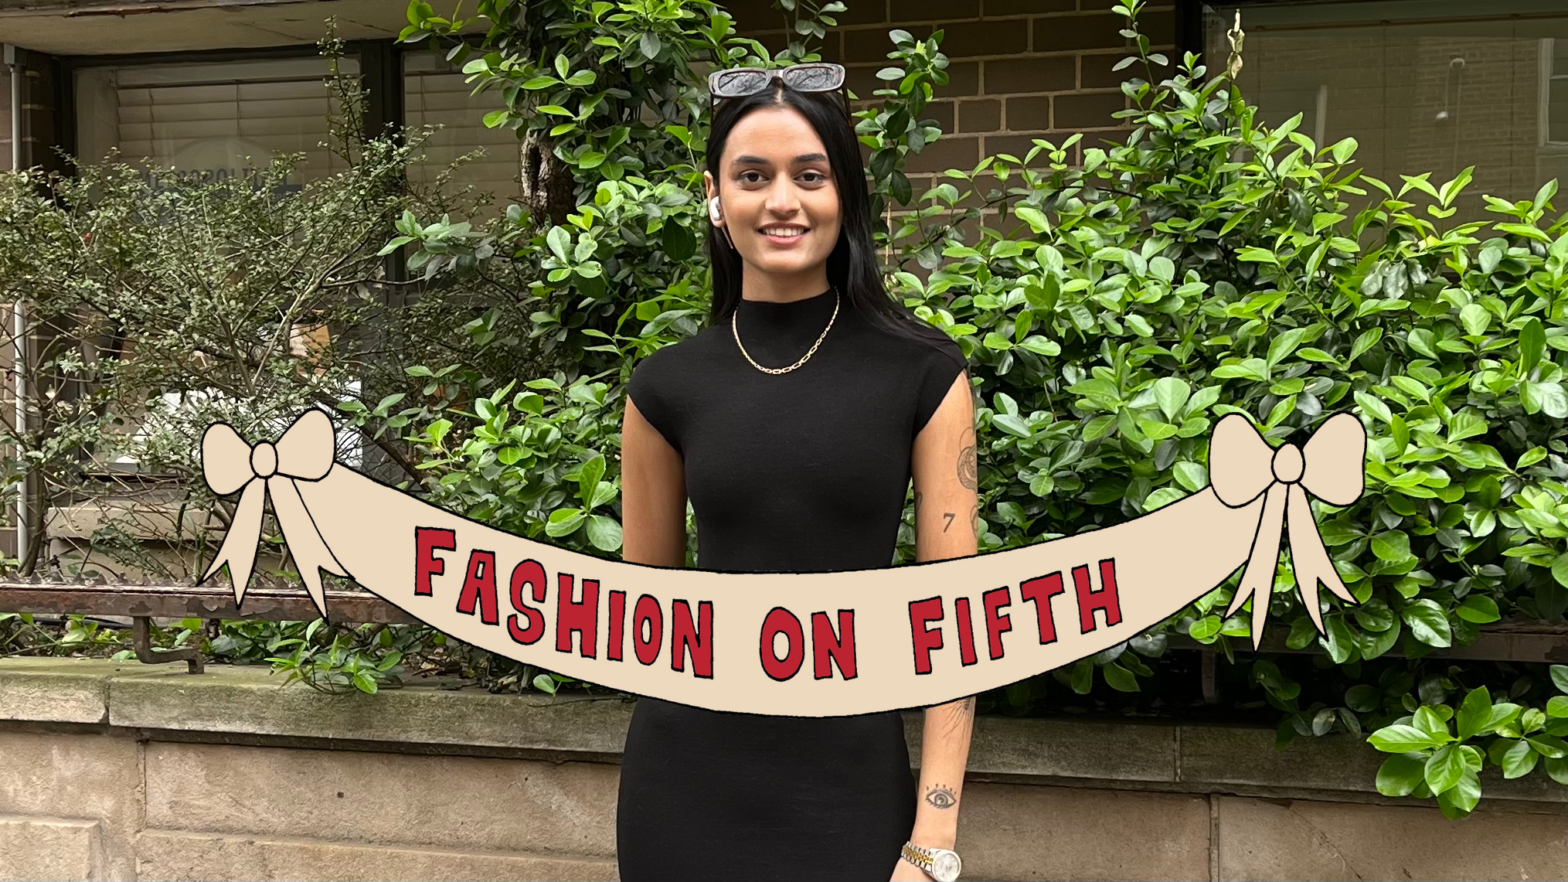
[713, 209]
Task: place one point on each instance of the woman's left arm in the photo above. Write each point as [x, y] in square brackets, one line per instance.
[947, 521]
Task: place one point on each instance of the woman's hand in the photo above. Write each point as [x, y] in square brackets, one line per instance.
[904, 871]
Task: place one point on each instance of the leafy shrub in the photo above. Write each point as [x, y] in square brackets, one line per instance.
[1114, 307]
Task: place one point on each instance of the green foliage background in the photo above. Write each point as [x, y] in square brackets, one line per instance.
[1119, 299]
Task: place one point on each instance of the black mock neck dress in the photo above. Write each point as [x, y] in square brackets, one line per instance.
[798, 472]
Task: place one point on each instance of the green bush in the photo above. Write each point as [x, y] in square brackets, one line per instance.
[1118, 300]
[1114, 307]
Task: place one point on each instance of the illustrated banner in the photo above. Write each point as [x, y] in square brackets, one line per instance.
[794, 644]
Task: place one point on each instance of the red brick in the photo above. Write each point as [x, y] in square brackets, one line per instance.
[1028, 113]
[1020, 145]
[1159, 26]
[1061, 33]
[942, 112]
[872, 44]
[831, 47]
[935, 10]
[759, 15]
[1023, 7]
[1094, 71]
[969, 39]
[947, 152]
[984, 115]
[963, 79]
[1050, 73]
[863, 12]
[1087, 111]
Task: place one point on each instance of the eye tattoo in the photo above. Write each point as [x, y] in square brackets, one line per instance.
[942, 798]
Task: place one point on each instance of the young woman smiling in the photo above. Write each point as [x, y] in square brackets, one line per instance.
[794, 424]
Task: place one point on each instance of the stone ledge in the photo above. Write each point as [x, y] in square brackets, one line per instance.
[243, 703]
[178, 856]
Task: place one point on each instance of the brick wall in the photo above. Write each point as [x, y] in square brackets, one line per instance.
[1019, 69]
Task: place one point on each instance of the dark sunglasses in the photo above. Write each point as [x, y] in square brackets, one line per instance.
[816, 76]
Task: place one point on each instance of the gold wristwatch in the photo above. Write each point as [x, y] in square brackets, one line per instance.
[941, 864]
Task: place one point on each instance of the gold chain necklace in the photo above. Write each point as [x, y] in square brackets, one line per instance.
[734, 328]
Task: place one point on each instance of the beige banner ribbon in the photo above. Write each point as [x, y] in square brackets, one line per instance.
[794, 644]
[1242, 466]
[304, 453]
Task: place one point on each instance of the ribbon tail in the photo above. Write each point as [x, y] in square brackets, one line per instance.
[1257, 581]
[239, 544]
[1309, 558]
[304, 539]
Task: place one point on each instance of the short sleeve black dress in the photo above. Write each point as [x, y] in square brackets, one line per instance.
[799, 472]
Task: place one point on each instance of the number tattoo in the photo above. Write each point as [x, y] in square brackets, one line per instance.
[949, 515]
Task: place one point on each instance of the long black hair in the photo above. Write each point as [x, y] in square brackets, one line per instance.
[852, 265]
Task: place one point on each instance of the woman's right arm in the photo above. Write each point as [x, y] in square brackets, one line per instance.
[653, 495]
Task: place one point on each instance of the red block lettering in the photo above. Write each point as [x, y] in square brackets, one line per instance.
[581, 617]
[997, 623]
[479, 585]
[617, 625]
[698, 639]
[966, 632]
[426, 564]
[1039, 591]
[531, 573]
[781, 620]
[922, 612]
[840, 647]
[647, 616]
[1105, 598]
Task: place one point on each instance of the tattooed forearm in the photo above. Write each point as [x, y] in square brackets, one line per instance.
[968, 464]
[960, 714]
[941, 797]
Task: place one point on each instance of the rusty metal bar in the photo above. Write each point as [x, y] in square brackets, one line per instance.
[1515, 640]
[141, 638]
[1511, 640]
[182, 601]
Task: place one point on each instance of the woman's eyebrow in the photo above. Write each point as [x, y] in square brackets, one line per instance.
[748, 159]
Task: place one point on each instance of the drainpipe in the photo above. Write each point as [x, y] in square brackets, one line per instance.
[19, 360]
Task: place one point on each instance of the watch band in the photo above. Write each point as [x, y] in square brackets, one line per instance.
[941, 864]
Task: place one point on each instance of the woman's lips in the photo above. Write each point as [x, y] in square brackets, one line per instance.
[785, 241]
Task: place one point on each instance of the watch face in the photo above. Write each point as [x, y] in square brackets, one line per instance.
[944, 866]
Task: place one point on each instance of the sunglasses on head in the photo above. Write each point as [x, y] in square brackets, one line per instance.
[816, 76]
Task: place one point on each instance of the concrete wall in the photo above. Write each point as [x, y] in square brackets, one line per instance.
[122, 771]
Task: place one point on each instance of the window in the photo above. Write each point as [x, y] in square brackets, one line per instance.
[435, 92]
[1554, 91]
[1422, 85]
[204, 118]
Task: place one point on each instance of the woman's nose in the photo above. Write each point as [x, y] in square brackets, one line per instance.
[782, 197]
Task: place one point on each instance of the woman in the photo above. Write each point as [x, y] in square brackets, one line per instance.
[795, 422]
